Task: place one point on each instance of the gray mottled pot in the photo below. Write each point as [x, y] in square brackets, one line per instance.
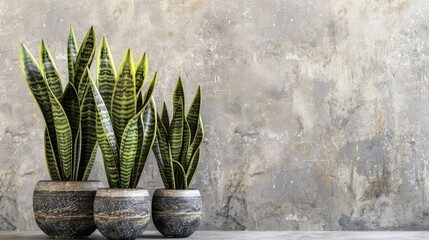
[65, 209]
[176, 213]
[121, 213]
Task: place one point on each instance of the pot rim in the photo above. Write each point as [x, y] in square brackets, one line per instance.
[68, 186]
[122, 192]
[163, 192]
[169, 189]
[69, 181]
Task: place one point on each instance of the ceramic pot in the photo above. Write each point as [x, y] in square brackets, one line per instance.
[176, 213]
[64, 209]
[121, 213]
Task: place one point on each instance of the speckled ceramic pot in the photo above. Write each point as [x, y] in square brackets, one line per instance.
[121, 213]
[65, 209]
[176, 213]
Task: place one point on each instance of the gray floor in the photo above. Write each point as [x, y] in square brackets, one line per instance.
[212, 235]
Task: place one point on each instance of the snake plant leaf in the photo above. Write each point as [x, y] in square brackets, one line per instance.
[51, 162]
[84, 56]
[76, 153]
[106, 74]
[193, 168]
[49, 70]
[71, 53]
[88, 123]
[162, 154]
[149, 128]
[194, 113]
[176, 131]
[157, 152]
[83, 84]
[179, 94]
[182, 173]
[148, 94]
[39, 89]
[70, 104]
[106, 139]
[128, 150]
[143, 101]
[64, 136]
[185, 145]
[194, 148]
[124, 96]
[138, 151]
[164, 117]
[141, 71]
[140, 136]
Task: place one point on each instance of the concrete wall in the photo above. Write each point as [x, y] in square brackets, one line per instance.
[316, 112]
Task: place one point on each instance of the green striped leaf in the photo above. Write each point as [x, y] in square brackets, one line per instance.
[51, 162]
[70, 104]
[176, 131]
[158, 156]
[179, 95]
[49, 70]
[193, 168]
[128, 150]
[106, 75]
[138, 151]
[124, 96]
[71, 53]
[64, 136]
[182, 174]
[83, 83]
[148, 94]
[164, 117]
[141, 71]
[39, 89]
[76, 153]
[162, 154]
[106, 140]
[194, 148]
[194, 113]
[149, 128]
[88, 123]
[84, 56]
[185, 145]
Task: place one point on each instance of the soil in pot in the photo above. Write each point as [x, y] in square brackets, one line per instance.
[64, 209]
[176, 213]
[121, 213]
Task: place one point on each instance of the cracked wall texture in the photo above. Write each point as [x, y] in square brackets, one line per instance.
[316, 112]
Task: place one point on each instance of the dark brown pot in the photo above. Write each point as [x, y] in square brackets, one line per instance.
[176, 213]
[65, 209]
[121, 213]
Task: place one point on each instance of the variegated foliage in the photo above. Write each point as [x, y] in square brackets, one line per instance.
[126, 116]
[70, 114]
[177, 143]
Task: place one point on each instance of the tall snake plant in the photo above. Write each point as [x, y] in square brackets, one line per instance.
[177, 143]
[69, 137]
[126, 119]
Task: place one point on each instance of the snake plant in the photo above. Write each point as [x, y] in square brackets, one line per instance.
[126, 118]
[69, 136]
[177, 143]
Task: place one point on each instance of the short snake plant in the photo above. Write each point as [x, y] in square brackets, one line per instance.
[126, 119]
[69, 137]
[177, 143]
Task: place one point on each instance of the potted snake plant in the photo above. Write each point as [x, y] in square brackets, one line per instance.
[176, 210]
[126, 122]
[63, 206]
